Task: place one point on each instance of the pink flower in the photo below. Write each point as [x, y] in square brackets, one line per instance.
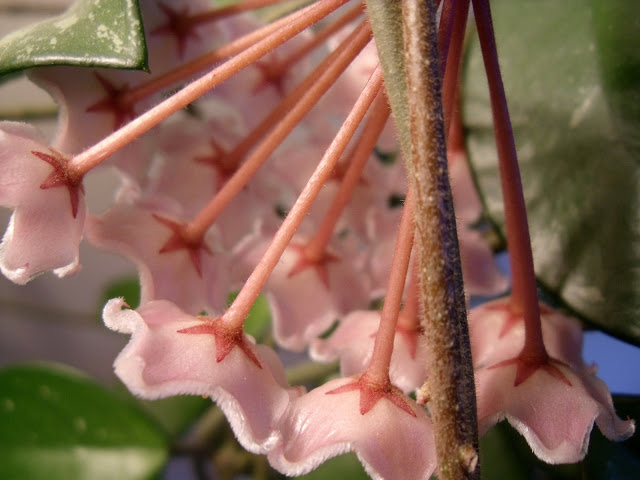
[556, 406]
[352, 343]
[393, 438]
[90, 109]
[162, 360]
[479, 270]
[150, 237]
[49, 206]
[191, 168]
[307, 297]
[465, 196]
[95, 102]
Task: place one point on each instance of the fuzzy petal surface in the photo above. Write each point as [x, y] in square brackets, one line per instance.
[479, 270]
[302, 305]
[554, 417]
[133, 231]
[160, 362]
[390, 443]
[352, 343]
[42, 233]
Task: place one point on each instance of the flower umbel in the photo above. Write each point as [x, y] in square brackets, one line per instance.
[303, 160]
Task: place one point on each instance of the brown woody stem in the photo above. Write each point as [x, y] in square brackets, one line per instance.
[450, 387]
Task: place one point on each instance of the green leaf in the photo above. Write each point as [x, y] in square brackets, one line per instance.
[90, 34]
[504, 453]
[344, 466]
[176, 414]
[498, 458]
[56, 423]
[572, 75]
[259, 318]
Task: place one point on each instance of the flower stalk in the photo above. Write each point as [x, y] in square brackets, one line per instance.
[145, 122]
[524, 293]
[240, 307]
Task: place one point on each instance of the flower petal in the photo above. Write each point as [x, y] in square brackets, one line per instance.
[390, 443]
[160, 362]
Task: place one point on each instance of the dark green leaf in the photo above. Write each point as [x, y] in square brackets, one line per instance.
[498, 458]
[572, 75]
[504, 453]
[56, 423]
[92, 34]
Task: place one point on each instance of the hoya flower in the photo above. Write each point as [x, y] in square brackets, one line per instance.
[391, 435]
[556, 405]
[152, 239]
[352, 343]
[479, 269]
[165, 357]
[46, 227]
[193, 164]
[95, 102]
[307, 296]
[90, 109]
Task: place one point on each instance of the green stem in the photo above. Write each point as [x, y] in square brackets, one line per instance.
[450, 388]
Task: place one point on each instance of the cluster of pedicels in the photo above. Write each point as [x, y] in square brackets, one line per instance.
[251, 190]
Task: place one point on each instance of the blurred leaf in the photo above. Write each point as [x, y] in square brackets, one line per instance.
[56, 423]
[504, 453]
[572, 75]
[497, 458]
[91, 34]
[345, 466]
[259, 319]
[176, 414]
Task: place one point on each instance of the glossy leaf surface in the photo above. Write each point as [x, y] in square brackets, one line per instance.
[56, 423]
[91, 33]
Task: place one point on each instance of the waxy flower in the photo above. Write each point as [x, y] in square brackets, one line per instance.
[166, 357]
[152, 239]
[554, 407]
[391, 435]
[49, 207]
[306, 296]
[95, 102]
[352, 343]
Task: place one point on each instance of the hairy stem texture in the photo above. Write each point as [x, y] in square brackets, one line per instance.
[450, 387]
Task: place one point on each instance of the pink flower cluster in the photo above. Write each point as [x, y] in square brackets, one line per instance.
[204, 201]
